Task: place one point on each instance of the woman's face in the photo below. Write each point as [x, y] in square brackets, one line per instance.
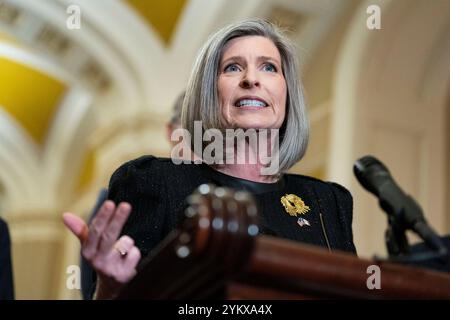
[251, 84]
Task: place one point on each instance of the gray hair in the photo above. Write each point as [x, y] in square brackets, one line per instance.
[201, 101]
[176, 109]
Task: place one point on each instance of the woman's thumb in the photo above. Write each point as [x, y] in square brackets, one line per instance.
[76, 225]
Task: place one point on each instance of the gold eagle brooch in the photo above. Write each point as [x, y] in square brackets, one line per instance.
[294, 206]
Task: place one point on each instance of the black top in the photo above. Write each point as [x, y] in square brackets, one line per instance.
[6, 275]
[157, 188]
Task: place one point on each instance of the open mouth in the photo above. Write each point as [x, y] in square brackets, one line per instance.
[249, 102]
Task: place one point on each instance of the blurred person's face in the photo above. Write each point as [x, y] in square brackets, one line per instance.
[251, 84]
[170, 128]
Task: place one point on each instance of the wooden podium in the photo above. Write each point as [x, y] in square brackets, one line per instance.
[216, 253]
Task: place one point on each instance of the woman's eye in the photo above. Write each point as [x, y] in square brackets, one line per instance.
[231, 68]
[269, 67]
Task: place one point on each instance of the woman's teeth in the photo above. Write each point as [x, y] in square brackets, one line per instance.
[250, 103]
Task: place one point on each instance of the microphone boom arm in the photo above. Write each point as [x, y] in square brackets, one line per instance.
[404, 213]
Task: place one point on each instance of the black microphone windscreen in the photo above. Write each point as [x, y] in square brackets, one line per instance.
[365, 168]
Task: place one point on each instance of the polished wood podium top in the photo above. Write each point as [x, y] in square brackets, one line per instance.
[216, 253]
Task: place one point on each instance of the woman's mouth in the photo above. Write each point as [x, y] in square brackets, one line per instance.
[246, 102]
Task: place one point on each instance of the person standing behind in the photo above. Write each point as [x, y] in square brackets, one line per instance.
[175, 120]
[6, 275]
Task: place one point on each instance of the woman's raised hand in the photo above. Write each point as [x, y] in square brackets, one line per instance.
[113, 259]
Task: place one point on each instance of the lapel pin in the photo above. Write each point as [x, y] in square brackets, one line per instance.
[303, 222]
[294, 206]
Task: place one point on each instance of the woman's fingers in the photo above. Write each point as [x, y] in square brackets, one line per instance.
[119, 266]
[133, 257]
[114, 260]
[126, 257]
[123, 246]
[97, 229]
[127, 264]
[76, 225]
[112, 230]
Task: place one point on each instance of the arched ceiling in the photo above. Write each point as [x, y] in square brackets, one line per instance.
[30, 96]
[77, 91]
[162, 16]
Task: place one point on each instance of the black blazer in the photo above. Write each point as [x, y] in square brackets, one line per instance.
[157, 189]
[6, 274]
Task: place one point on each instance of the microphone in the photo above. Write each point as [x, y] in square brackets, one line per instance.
[401, 208]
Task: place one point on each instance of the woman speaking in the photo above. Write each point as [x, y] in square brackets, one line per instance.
[245, 79]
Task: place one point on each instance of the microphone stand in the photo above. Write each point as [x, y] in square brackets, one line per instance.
[395, 238]
[409, 216]
[404, 213]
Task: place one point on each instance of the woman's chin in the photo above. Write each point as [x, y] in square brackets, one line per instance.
[254, 125]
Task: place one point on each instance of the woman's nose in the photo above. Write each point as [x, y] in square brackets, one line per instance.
[249, 80]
